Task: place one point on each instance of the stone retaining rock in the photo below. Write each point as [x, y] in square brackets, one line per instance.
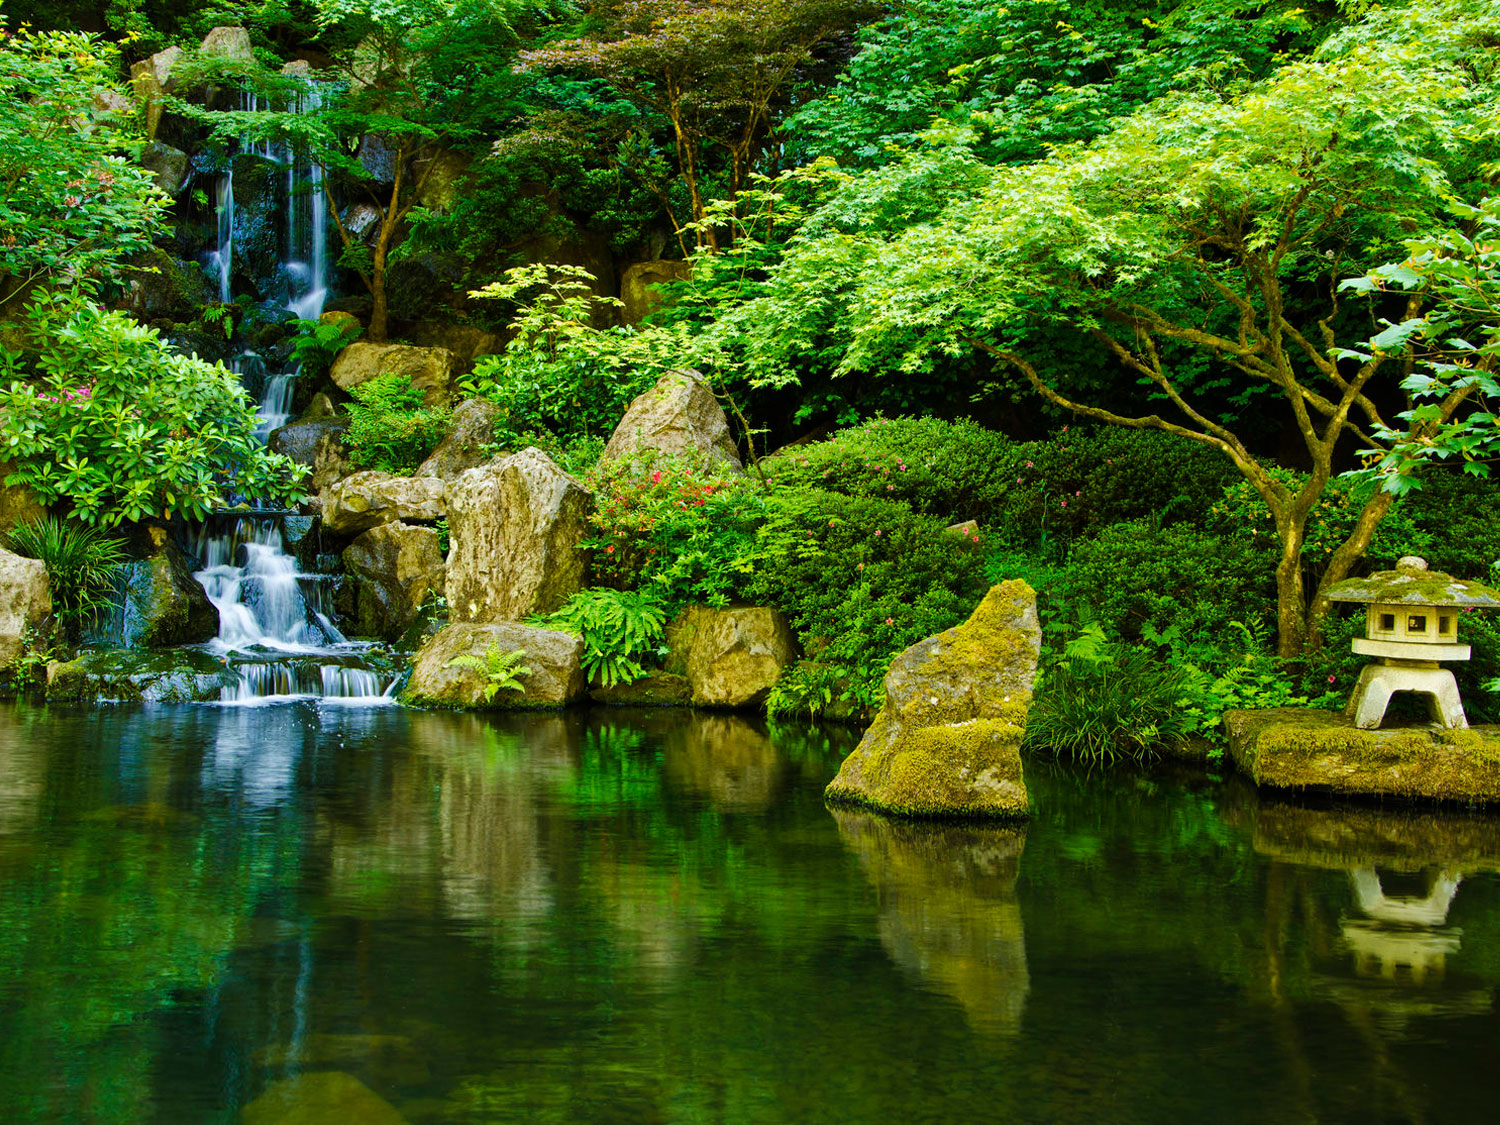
[731, 657]
[395, 567]
[679, 416]
[515, 526]
[947, 741]
[430, 369]
[1299, 748]
[555, 660]
[472, 428]
[656, 689]
[370, 498]
[25, 601]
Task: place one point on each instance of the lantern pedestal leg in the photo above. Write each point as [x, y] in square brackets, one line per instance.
[1378, 682]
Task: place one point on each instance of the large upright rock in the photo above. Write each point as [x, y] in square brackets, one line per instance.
[472, 428]
[731, 657]
[151, 79]
[947, 742]
[228, 43]
[680, 416]
[25, 601]
[164, 603]
[555, 659]
[638, 292]
[515, 528]
[368, 499]
[430, 369]
[395, 567]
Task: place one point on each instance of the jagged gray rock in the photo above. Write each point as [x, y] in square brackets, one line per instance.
[678, 416]
[555, 659]
[368, 499]
[395, 567]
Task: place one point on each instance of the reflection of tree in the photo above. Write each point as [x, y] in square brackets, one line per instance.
[948, 911]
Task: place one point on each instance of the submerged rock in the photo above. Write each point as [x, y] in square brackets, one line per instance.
[395, 567]
[164, 604]
[1299, 748]
[678, 416]
[430, 369]
[472, 428]
[130, 676]
[25, 601]
[328, 1097]
[370, 498]
[555, 659]
[731, 657]
[515, 528]
[947, 741]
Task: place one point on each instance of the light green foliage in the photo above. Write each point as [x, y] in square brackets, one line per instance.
[682, 532]
[101, 414]
[502, 671]
[30, 667]
[81, 563]
[621, 629]
[1035, 73]
[389, 428]
[71, 205]
[1454, 343]
[317, 343]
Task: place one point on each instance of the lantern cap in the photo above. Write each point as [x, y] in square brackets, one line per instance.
[1411, 583]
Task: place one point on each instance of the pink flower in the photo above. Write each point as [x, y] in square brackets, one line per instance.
[1028, 464]
[890, 488]
[1078, 493]
[861, 566]
[1064, 503]
[877, 531]
[610, 549]
[890, 620]
[1330, 679]
[656, 477]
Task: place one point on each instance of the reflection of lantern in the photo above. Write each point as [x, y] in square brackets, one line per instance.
[1411, 623]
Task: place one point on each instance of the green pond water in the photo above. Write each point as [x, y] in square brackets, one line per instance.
[298, 914]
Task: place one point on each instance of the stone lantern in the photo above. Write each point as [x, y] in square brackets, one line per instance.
[1411, 623]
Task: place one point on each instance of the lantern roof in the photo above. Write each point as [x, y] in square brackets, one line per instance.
[1411, 583]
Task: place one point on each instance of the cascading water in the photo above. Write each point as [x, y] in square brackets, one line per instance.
[275, 628]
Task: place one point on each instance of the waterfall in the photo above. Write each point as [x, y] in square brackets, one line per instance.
[275, 626]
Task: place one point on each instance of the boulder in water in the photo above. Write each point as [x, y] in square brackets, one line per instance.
[516, 525]
[164, 603]
[555, 659]
[25, 601]
[731, 657]
[679, 416]
[395, 567]
[126, 676]
[472, 428]
[430, 369]
[368, 499]
[947, 741]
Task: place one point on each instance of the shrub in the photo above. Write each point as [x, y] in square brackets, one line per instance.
[317, 343]
[1135, 576]
[620, 630]
[861, 579]
[100, 413]
[81, 563]
[1459, 515]
[389, 428]
[683, 532]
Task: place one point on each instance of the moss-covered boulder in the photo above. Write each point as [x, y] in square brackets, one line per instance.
[130, 676]
[555, 659]
[947, 741]
[326, 1097]
[1297, 748]
[429, 369]
[164, 604]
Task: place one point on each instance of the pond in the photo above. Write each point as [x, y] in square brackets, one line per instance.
[312, 913]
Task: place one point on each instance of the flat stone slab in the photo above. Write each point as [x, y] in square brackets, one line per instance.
[1297, 748]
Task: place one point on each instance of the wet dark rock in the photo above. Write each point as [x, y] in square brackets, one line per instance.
[396, 568]
[164, 604]
[127, 676]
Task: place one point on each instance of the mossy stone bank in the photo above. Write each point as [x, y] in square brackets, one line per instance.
[1296, 748]
[947, 742]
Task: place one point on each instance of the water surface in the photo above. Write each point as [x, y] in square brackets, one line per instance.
[619, 917]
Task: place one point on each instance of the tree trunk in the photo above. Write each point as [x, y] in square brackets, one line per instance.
[1291, 599]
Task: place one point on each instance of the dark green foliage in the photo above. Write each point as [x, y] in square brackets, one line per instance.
[81, 563]
[317, 343]
[1132, 576]
[621, 630]
[1459, 516]
[1122, 704]
[389, 428]
[861, 579]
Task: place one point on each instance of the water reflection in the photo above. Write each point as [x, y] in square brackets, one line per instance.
[948, 912]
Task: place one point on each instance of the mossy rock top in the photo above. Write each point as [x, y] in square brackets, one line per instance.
[1411, 583]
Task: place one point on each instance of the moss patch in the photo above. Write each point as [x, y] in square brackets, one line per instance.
[1294, 748]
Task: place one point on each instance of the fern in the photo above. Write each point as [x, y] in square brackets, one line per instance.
[501, 670]
[620, 629]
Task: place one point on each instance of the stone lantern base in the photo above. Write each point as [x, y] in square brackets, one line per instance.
[1378, 682]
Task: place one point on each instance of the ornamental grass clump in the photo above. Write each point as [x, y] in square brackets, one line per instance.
[1119, 704]
[81, 563]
